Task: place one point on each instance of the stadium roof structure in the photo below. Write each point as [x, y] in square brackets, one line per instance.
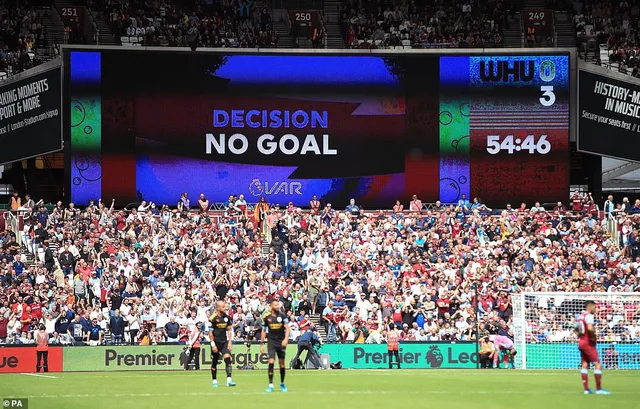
[620, 175]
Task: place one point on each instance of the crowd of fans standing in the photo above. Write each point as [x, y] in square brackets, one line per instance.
[418, 24]
[225, 23]
[150, 274]
[21, 33]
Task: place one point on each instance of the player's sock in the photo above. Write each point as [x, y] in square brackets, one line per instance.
[227, 367]
[282, 373]
[495, 360]
[585, 379]
[505, 360]
[270, 370]
[214, 372]
[598, 375]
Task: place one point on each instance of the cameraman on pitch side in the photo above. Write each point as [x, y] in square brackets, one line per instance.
[307, 342]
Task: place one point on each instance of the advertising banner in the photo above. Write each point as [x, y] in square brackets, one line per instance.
[30, 114]
[567, 356]
[24, 359]
[609, 113]
[156, 357]
[287, 127]
[428, 355]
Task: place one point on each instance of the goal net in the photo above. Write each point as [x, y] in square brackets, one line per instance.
[544, 323]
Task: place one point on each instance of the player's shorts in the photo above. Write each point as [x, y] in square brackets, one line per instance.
[276, 348]
[223, 348]
[589, 354]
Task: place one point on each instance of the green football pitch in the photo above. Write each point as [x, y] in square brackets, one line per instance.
[323, 389]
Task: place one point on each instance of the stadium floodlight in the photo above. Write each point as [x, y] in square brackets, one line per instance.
[544, 329]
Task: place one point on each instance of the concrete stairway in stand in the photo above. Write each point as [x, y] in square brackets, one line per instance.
[331, 20]
[280, 18]
[53, 24]
[315, 318]
[512, 37]
[106, 36]
[565, 30]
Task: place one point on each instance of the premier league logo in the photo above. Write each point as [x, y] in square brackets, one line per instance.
[434, 357]
[183, 357]
[255, 187]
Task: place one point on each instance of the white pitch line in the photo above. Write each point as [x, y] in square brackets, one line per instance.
[347, 372]
[334, 392]
[40, 376]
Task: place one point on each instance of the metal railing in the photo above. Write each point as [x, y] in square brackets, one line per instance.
[612, 227]
[13, 221]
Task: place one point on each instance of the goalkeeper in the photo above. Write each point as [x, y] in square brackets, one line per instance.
[504, 344]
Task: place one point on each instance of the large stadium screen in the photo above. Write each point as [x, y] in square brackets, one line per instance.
[30, 118]
[609, 113]
[377, 128]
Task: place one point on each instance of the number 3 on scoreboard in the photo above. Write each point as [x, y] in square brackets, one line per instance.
[548, 97]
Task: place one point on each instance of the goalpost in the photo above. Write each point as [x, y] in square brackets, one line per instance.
[544, 336]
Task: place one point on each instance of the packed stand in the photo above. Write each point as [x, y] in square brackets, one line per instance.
[21, 33]
[151, 274]
[417, 24]
[613, 25]
[553, 319]
[227, 23]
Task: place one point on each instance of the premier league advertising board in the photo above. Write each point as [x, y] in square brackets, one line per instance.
[377, 128]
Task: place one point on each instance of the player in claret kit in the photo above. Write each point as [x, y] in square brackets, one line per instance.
[588, 351]
[504, 344]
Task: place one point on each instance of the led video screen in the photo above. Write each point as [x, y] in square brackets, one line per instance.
[378, 128]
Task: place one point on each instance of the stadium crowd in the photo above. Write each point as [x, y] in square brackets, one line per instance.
[422, 25]
[21, 33]
[227, 23]
[614, 25]
[150, 274]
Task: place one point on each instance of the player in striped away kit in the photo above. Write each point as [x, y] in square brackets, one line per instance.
[588, 351]
[393, 336]
[276, 331]
[221, 337]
